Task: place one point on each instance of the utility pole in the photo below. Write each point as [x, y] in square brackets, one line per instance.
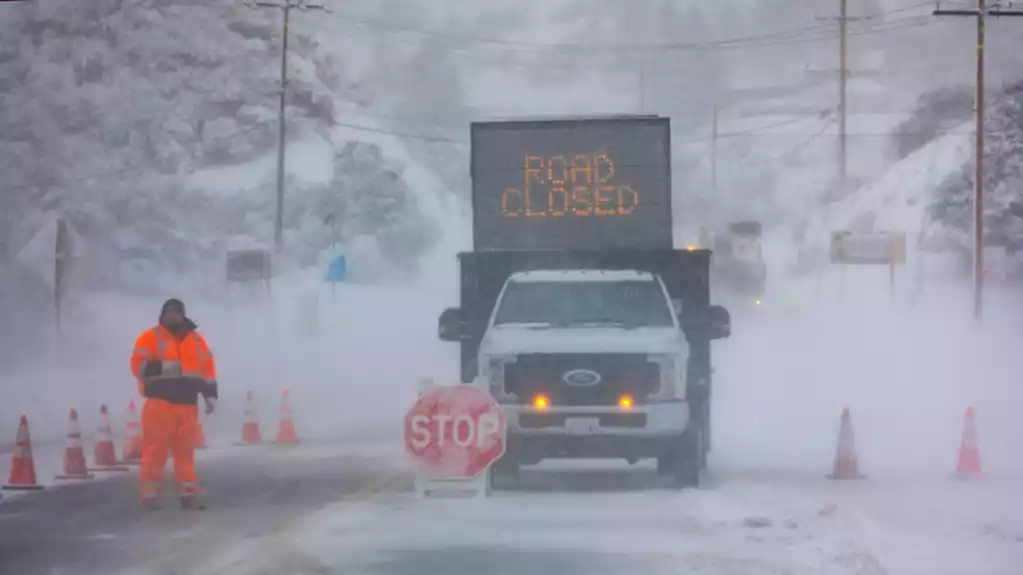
[714, 152]
[286, 7]
[981, 13]
[843, 75]
[642, 87]
[843, 93]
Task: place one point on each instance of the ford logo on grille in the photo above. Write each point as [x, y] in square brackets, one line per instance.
[581, 378]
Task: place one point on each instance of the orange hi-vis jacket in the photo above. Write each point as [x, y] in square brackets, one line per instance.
[187, 368]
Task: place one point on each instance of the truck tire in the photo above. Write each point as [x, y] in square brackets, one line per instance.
[706, 434]
[683, 462]
[701, 418]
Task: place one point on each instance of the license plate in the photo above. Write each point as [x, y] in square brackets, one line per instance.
[582, 425]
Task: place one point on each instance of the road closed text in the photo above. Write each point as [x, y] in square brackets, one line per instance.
[577, 185]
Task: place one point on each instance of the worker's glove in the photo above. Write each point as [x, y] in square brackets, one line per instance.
[152, 368]
[211, 404]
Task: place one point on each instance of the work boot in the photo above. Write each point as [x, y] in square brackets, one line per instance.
[192, 502]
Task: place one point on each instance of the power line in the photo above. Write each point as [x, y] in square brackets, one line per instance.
[780, 124]
[600, 59]
[399, 134]
[540, 48]
[796, 35]
[813, 137]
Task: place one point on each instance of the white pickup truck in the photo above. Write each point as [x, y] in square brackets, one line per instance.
[591, 363]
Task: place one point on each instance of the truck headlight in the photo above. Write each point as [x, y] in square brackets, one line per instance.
[671, 384]
[495, 374]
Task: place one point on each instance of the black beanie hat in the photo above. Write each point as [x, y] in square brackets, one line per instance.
[173, 304]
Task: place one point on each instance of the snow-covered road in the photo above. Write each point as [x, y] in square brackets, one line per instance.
[97, 528]
[740, 523]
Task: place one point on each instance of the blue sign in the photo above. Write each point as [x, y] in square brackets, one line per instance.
[337, 269]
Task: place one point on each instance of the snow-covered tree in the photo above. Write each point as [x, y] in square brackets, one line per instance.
[936, 111]
[106, 106]
[952, 205]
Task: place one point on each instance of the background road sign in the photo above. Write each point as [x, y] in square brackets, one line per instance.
[455, 432]
[337, 269]
[248, 265]
[873, 248]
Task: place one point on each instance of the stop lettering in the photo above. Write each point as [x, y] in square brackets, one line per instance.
[464, 432]
[455, 432]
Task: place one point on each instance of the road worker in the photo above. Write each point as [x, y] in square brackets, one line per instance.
[173, 366]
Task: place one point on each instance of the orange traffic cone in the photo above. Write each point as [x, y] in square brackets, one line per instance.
[74, 452]
[969, 452]
[131, 451]
[250, 429]
[23, 467]
[104, 454]
[846, 461]
[286, 434]
[200, 436]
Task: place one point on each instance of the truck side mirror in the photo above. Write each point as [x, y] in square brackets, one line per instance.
[450, 326]
[719, 322]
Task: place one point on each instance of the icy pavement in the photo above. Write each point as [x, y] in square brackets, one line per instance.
[739, 524]
[97, 528]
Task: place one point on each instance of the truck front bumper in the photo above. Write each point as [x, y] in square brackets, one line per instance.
[633, 433]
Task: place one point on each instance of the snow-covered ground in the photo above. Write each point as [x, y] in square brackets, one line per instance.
[744, 525]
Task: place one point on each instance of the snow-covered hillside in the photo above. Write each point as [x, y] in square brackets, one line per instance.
[952, 204]
[127, 111]
[897, 200]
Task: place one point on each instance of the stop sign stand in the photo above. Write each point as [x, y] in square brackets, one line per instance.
[454, 433]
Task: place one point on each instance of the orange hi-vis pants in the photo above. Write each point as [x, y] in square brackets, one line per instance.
[168, 429]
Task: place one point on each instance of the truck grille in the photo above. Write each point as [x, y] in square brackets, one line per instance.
[546, 374]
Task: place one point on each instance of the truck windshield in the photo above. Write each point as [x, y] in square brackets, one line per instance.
[575, 303]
